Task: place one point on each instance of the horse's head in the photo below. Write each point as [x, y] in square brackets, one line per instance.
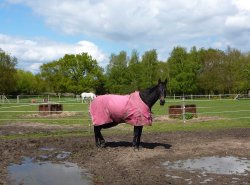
[162, 91]
[150, 95]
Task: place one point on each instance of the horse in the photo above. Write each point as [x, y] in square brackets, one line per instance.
[88, 96]
[135, 109]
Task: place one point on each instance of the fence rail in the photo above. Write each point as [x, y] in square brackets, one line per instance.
[77, 99]
[39, 98]
[210, 97]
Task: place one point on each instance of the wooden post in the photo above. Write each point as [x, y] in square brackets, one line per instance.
[183, 109]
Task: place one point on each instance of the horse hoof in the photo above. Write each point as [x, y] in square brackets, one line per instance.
[100, 144]
[136, 148]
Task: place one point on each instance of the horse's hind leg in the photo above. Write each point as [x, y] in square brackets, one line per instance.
[137, 136]
[99, 140]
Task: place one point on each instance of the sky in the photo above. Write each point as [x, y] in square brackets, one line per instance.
[41, 31]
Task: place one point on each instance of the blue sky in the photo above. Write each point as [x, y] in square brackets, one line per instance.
[40, 31]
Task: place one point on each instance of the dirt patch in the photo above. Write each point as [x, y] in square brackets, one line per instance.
[54, 115]
[29, 127]
[119, 164]
[165, 118]
[20, 128]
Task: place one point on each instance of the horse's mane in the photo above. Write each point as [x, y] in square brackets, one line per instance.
[149, 90]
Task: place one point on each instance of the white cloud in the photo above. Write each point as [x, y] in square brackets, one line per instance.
[122, 20]
[242, 5]
[34, 67]
[33, 53]
[240, 20]
[158, 24]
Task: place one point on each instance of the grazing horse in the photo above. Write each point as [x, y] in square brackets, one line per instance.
[88, 96]
[109, 110]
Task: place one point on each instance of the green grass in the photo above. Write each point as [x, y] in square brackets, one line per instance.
[43, 135]
[226, 113]
[233, 109]
[26, 113]
[209, 126]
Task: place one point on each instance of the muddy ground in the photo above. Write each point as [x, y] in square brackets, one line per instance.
[119, 164]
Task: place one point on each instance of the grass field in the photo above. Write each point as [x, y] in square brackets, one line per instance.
[225, 114]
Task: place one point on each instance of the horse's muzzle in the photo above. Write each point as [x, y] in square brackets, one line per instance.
[162, 102]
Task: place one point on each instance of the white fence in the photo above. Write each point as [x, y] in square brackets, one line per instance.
[39, 98]
[210, 97]
[77, 98]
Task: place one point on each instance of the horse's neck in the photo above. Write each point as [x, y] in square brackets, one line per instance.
[149, 96]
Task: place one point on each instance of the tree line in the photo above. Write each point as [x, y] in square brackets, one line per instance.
[197, 71]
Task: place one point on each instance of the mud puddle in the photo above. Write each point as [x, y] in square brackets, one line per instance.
[118, 164]
[217, 165]
[45, 172]
[53, 152]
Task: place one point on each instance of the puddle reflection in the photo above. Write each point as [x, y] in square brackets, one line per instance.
[217, 165]
[47, 173]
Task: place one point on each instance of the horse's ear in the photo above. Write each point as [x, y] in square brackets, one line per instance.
[159, 81]
[166, 81]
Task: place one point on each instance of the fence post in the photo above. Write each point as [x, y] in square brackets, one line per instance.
[183, 110]
[90, 121]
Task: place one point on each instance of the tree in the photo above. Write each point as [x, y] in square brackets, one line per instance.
[183, 68]
[117, 74]
[231, 67]
[134, 71]
[127, 74]
[52, 76]
[148, 69]
[243, 74]
[162, 71]
[7, 73]
[211, 72]
[28, 83]
[73, 73]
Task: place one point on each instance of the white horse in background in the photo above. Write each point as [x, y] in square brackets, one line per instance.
[87, 96]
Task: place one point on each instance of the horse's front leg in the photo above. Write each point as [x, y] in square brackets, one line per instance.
[99, 140]
[137, 136]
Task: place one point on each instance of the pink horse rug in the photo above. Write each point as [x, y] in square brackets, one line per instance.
[117, 108]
